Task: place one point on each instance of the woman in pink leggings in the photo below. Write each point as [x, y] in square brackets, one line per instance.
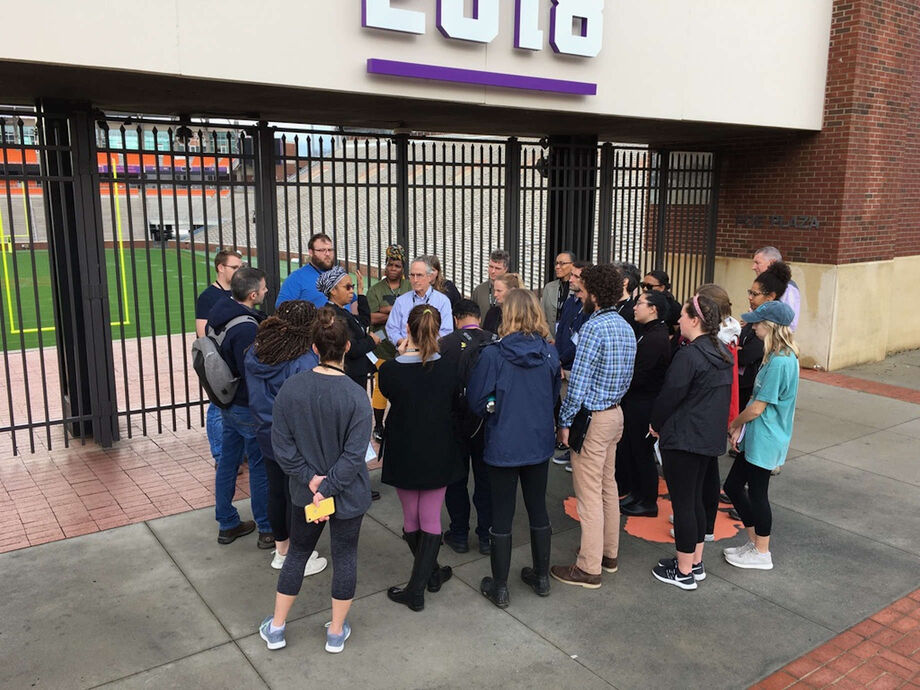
[421, 451]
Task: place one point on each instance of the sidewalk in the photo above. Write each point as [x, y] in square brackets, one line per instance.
[160, 603]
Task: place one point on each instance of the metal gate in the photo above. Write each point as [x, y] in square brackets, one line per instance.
[158, 198]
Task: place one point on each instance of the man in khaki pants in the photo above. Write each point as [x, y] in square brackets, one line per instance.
[600, 377]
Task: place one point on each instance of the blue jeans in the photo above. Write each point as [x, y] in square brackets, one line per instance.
[240, 434]
[215, 429]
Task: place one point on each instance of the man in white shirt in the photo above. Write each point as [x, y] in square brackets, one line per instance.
[422, 292]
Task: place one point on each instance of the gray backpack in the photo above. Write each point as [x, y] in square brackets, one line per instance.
[213, 371]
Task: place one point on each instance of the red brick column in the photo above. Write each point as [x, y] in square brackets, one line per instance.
[859, 178]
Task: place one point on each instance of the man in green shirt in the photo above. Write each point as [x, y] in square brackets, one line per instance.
[380, 298]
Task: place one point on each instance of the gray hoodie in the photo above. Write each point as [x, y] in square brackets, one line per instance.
[322, 425]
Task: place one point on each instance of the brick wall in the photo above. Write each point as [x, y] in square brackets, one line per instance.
[858, 180]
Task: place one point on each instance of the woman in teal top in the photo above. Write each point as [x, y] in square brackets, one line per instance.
[762, 432]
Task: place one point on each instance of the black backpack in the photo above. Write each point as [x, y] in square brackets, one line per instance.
[213, 371]
[470, 350]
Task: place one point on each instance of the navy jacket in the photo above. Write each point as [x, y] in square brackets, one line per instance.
[571, 317]
[240, 337]
[263, 382]
[522, 372]
[691, 411]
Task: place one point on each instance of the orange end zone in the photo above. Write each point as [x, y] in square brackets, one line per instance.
[658, 529]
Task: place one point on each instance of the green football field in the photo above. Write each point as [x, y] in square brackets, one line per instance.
[149, 292]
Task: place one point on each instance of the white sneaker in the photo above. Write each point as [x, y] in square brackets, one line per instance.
[707, 537]
[750, 558]
[671, 519]
[316, 564]
[735, 550]
[568, 467]
[277, 560]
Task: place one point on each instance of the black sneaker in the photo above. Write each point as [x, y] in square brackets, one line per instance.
[375, 495]
[561, 446]
[669, 574]
[378, 434]
[698, 571]
[228, 536]
[266, 540]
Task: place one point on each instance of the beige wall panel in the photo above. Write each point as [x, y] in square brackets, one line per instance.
[863, 311]
[904, 325]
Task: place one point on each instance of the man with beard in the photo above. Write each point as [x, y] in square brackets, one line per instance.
[301, 284]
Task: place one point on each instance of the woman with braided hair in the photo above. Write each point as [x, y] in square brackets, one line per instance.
[688, 419]
[281, 349]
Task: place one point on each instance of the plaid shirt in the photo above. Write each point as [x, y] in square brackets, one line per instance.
[603, 368]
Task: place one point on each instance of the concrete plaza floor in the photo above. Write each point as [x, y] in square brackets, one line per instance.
[160, 603]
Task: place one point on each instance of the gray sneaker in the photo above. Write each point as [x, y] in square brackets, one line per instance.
[751, 558]
[336, 643]
[734, 550]
[274, 640]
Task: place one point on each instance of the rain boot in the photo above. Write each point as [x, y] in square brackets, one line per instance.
[495, 588]
[538, 576]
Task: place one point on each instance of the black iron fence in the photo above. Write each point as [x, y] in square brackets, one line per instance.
[109, 226]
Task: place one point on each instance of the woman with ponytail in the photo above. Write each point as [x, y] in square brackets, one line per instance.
[762, 432]
[281, 349]
[421, 450]
[689, 418]
[322, 423]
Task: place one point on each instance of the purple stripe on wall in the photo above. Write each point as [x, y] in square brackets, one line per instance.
[414, 70]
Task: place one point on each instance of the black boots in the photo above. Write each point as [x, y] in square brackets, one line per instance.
[538, 576]
[425, 571]
[495, 588]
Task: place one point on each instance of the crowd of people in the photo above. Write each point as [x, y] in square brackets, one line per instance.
[605, 373]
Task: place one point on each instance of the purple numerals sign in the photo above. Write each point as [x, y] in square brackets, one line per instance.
[412, 70]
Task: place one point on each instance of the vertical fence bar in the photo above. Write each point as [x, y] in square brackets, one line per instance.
[266, 206]
[511, 236]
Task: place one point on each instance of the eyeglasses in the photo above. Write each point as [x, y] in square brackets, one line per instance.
[418, 275]
[649, 286]
[754, 293]
[233, 267]
[563, 263]
[323, 250]
[349, 286]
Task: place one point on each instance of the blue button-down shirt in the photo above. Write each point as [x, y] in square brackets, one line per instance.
[603, 368]
[399, 315]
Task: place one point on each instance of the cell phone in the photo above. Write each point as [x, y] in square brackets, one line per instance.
[324, 508]
[390, 299]
[382, 334]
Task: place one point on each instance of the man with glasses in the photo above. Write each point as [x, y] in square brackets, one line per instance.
[483, 294]
[420, 271]
[556, 291]
[763, 259]
[226, 263]
[301, 284]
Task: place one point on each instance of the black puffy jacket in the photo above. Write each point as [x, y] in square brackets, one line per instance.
[690, 412]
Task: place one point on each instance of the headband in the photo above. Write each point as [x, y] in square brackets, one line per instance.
[330, 279]
[696, 305]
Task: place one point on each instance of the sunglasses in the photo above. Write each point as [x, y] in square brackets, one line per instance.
[648, 286]
[349, 286]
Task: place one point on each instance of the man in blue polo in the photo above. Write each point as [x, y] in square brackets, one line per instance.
[422, 292]
[301, 284]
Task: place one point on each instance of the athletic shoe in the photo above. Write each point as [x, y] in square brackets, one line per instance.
[734, 550]
[274, 640]
[698, 571]
[336, 643]
[378, 434]
[561, 446]
[315, 564]
[752, 559]
[562, 459]
[671, 519]
[672, 576]
[266, 540]
[776, 470]
[568, 467]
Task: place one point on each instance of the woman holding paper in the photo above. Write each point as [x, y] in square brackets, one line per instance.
[766, 424]
[322, 423]
[421, 450]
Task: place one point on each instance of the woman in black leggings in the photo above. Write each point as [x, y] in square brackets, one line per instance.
[514, 386]
[689, 420]
[322, 425]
